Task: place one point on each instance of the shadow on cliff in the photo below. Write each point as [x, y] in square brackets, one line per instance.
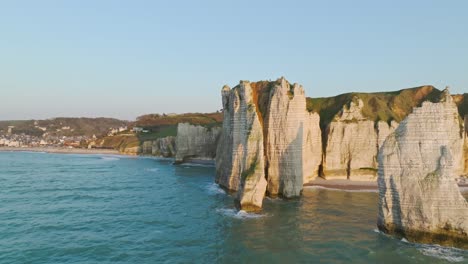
[293, 159]
[396, 227]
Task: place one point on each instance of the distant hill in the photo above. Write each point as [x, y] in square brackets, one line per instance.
[63, 126]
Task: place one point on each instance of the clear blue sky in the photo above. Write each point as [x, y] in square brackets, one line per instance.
[126, 58]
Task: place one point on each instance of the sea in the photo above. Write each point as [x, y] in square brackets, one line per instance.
[70, 208]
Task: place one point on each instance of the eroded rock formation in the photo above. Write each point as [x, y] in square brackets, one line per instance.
[196, 142]
[465, 147]
[418, 195]
[265, 141]
[240, 163]
[161, 147]
[352, 145]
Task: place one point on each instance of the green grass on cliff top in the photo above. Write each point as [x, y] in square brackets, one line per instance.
[158, 120]
[382, 106]
[159, 132]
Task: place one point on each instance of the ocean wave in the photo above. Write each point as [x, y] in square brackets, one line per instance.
[152, 169]
[109, 158]
[214, 189]
[446, 253]
[229, 212]
[449, 254]
[187, 165]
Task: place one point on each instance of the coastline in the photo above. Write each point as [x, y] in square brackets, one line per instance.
[356, 186]
[61, 150]
[337, 184]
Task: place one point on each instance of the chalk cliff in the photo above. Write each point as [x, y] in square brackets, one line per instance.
[240, 161]
[418, 195]
[465, 148]
[355, 125]
[265, 141]
[196, 142]
[312, 152]
[288, 127]
[352, 145]
[161, 147]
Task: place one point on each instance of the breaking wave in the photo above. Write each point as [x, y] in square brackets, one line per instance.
[229, 212]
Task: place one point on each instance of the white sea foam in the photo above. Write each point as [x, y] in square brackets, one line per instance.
[152, 169]
[214, 189]
[238, 214]
[109, 158]
[445, 253]
[449, 254]
[188, 165]
[341, 190]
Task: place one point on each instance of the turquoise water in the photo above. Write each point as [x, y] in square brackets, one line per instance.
[59, 208]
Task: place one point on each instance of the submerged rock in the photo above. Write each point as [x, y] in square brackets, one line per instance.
[418, 196]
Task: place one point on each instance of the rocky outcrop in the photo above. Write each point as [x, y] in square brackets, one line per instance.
[465, 147]
[240, 161]
[288, 127]
[384, 130]
[130, 150]
[418, 195]
[161, 147]
[224, 150]
[351, 150]
[196, 142]
[264, 140]
[312, 152]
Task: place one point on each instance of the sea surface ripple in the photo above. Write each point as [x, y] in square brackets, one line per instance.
[58, 208]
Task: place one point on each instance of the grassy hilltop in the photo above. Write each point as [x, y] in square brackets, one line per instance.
[382, 106]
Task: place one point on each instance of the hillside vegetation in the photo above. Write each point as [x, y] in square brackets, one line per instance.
[382, 106]
[157, 120]
[119, 142]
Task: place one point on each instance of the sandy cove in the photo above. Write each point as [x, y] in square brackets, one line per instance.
[363, 186]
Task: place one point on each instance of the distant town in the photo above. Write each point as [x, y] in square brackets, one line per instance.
[58, 132]
[52, 137]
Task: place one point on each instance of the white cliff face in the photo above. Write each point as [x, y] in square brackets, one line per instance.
[240, 160]
[465, 147]
[247, 149]
[161, 147]
[312, 152]
[418, 195]
[196, 142]
[287, 124]
[352, 144]
[384, 130]
[224, 176]
[277, 141]
[165, 147]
